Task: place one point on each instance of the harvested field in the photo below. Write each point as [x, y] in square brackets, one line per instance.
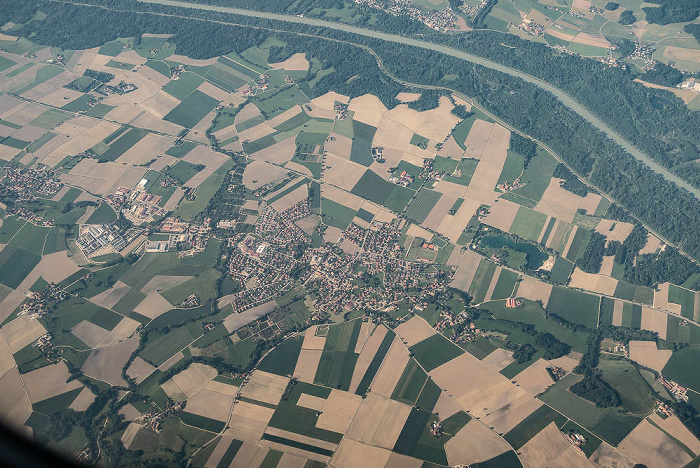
[295, 62]
[48, 382]
[534, 379]
[474, 443]
[190, 381]
[498, 359]
[248, 421]
[392, 135]
[590, 203]
[160, 104]
[407, 97]
[677, 430]
[453, 226]
[377, 408]
[153, 305]
[351, 454]
[291, 461]
[477, 139]
[249, 455]
[502, 214]
[366, 330]
[648, 445]
[647, 354]
[7, 361]
[367, 355]
[21, 332]
[83, 400]
[474, 385]
[614, 230]
[391, 369]
[558, 202]
[415, 230]
[124, 329]
[652, 245]
[439, 212]
[510, 416]
[342, 172]
[311, 402]
[130, 434]
[307, 364]
[434, 124]
[595, 40]
[414, 331]
[535, 290]
[279, 153]
[106, 363]
[15, 406]
[567, 362]
[265, 387]
[90, 334]
[129, 411]
[210, 404]
[338, 411]
[341, 197]
[681, 53]
[547, 445]
[340, 146]
[297, 195]
[57, 266]
[139, 370]
[396, 460]
[145, 149]
[235, 321]
[368, 109]
[464, 275]
[593, 282]
[571, 457]
[313, 341]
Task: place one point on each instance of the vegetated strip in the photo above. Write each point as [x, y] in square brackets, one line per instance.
[299, 445]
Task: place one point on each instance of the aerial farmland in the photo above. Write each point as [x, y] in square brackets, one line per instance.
[226, 261]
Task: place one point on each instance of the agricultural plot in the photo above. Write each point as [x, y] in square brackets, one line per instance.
[435, 351]
[421, 206]
[191, 110]
[574, 306]
[338, 360]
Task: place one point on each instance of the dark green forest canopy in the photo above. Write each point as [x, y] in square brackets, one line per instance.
[660, 204]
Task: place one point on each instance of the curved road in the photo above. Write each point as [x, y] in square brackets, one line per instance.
[562, 96]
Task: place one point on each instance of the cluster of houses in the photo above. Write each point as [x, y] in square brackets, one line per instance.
[663, 409]
[38, 302]
[576, 438]
[678, 391]
[154, 419]
[189, 238]
[441, 20]
[260, 85]
[102, 239]
[138, 206]
[644, 52]
[279, 228]
[341, 110]
[507, 187]
[45, 345]
[24, 185]
[404, 178]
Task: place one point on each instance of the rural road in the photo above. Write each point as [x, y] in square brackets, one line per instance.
[561, 95]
